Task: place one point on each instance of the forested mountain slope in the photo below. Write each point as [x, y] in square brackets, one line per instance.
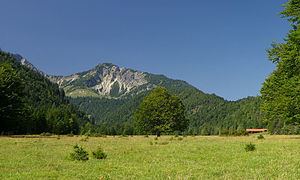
[30, 103]
[110, 95]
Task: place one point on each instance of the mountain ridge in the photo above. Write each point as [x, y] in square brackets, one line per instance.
[61, 79]
[110, 94]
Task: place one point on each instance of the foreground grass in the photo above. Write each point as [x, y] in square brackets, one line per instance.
[276, 157]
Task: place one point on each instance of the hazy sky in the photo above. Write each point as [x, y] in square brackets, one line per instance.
[218, 46]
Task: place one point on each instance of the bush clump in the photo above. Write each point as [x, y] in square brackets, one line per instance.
[79, 153]
[250, 147]
[99, 154]
[70, 135]
[180, 138]
[164, 143]
[260, 136]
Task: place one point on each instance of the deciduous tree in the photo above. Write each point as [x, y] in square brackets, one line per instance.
[160, 112]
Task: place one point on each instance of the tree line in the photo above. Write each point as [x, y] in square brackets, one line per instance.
[31, 104]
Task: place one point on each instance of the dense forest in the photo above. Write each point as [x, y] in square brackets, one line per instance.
[207, 114]
[33, 104]
[30, 103]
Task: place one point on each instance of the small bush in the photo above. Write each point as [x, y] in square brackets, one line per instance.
[79, 154]
[70, 135]
[241, 132]
[171, 139]
[164, 143]
[260, 136]
[156, 138]
[99, 154]
[180, 139]
[250, 147]
[146, 136]
[151, 143]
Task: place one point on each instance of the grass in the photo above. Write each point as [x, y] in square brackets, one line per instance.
[277, 157]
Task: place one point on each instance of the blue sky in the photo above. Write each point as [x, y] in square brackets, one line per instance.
[217, 46]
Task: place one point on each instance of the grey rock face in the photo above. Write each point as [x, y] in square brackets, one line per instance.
[105, 80]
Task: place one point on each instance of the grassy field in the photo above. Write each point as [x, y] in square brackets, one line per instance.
[276, 157]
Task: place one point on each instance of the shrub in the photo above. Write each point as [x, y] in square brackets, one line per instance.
[260, 136]
[180, 139]
[156, 138]
[70, 135]
[99, 154]
[164, 143]
[242, 132]
[79, 153]
[250, 147]
[146, 136]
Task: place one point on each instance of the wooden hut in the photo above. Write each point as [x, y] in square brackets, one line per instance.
[256, 130]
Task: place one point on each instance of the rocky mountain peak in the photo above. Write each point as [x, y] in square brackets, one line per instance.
[105, 79]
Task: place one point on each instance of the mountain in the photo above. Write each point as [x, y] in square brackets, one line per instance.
[111, 94]
[105, 80]
[31, 103]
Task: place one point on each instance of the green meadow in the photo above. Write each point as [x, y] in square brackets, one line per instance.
[139, 157]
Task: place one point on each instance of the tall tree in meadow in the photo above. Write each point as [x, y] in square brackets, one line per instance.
[160, 112]
[281, 90]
